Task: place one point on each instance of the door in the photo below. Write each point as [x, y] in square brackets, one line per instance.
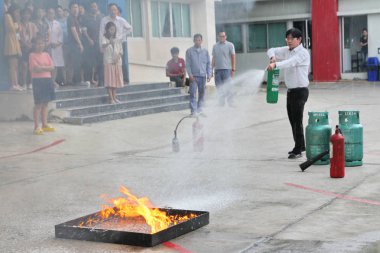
[305, 27]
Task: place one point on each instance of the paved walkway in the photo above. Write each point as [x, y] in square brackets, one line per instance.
[258, 200]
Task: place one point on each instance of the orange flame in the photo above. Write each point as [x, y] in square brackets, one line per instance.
[132, 207]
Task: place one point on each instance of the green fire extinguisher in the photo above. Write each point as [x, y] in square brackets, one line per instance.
[272, 86]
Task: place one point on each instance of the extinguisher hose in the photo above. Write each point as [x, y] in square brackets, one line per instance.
[175, 130]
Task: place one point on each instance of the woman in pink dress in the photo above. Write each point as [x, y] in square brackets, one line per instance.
[41, 67]
[112, 58]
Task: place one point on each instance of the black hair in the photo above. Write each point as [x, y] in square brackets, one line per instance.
[26, 11]
[198, 35]
[13, 8]
[37, 39]
[108, 26]
[112, 4]
[294, 32]
[174, 50]
[72, 3]
[365, 29]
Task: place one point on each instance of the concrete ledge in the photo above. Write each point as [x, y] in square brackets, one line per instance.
[16, 105]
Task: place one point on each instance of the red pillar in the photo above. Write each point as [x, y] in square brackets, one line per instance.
[326, 49]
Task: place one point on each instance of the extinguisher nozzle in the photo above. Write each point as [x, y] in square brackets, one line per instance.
[313, 160]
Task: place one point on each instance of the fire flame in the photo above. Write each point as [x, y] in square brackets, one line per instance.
[132, 207]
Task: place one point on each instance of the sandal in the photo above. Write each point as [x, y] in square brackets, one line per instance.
[48, 128]
[38, 131]
[16, 88]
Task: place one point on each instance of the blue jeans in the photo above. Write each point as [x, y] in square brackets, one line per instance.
[199, 83]
[224, 85]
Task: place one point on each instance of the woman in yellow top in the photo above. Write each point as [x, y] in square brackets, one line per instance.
[12, 47]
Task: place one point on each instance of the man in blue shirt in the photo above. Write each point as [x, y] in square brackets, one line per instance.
[198, 67]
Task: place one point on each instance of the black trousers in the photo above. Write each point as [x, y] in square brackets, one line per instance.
[295, 103]
[178, 80]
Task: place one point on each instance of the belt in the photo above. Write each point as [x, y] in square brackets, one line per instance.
[297, 89]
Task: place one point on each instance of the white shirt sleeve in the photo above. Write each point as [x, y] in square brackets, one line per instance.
[279, 52]
[298, 59]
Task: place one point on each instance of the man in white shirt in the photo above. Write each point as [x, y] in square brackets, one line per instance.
[123, 28]
[294, 60]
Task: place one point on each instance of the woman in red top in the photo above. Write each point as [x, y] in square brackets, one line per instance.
[41, 66]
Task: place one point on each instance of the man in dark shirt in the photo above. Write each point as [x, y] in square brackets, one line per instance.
[93, 61]
[176, 68]
[364, 49]
[75, 46]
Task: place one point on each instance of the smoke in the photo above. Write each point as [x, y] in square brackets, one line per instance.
[220, 125]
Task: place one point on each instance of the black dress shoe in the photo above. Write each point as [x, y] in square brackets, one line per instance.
[294, 155]
[303, 149]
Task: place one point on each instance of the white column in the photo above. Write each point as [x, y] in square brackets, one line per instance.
[203, 21]
[373, 35]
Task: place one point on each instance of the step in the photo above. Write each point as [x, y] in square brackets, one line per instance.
[104, 108]
[123, 96]
[127, 113]
[80, 92]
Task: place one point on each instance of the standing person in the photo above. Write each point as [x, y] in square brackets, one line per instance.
[224, 63]
[125, 33]
[113, 52]
[12, 48]
[75, 46]
[29, 5]
[294, 60]
[7, 4]
[66, 12]
[198, 67]
[56, 42]
[122, 26]
[93, 60]
[62, 20]
[176, 68]
[43, 29]
[364, 47]
[41, 65]
[28, 34]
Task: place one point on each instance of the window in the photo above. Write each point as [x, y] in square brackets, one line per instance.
[235, 35]
[257, 39]
[170, 19]
[276, 33]
[264, 36]
[133, 16]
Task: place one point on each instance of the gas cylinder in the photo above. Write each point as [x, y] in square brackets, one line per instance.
[198, 136]
[337, 160]
[318, 132]
[352, 130]
[273, 86]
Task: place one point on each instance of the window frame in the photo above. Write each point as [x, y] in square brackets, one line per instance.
[267, 35]
[160, 36]
[131, 15]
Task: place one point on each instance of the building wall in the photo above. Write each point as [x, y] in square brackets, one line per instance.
[230, 12]
[365, 7]
[251, 11]
[148, 55]
[374, 35]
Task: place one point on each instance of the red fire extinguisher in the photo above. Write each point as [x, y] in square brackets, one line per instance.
[337, 160]
[198, 136]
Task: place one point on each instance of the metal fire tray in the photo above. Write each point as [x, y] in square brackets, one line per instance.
[130, 231]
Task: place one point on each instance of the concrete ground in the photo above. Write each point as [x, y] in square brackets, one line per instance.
[258, 200]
